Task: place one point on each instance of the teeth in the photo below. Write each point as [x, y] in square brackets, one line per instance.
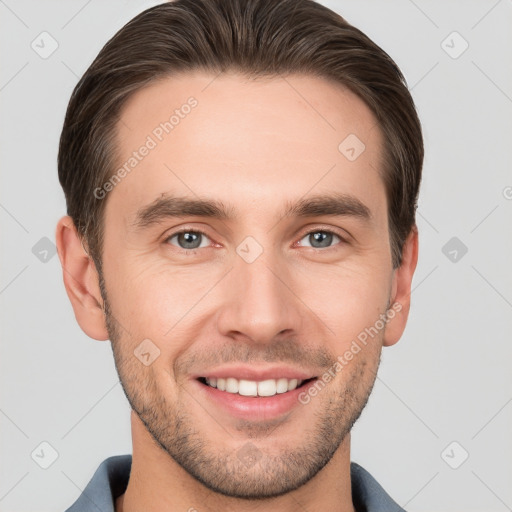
[282, 385]
[247, 387]
[243, 387]
[267, 387]
[231, 385]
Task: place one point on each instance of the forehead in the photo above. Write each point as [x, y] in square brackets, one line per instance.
[245, 141]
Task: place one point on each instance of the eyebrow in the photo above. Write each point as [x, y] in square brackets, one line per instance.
[165, 207]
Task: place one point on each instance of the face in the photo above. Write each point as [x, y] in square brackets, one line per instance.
[247, 247]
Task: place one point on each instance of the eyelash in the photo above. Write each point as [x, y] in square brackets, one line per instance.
[343, 240]
[185, 230]
[196, 230]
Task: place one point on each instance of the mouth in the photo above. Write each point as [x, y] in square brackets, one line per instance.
[253, 388]
[250, 400]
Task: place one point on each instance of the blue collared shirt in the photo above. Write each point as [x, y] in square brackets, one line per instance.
[111, 479]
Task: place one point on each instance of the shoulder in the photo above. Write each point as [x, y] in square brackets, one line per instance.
[108, 482]
[367, 494]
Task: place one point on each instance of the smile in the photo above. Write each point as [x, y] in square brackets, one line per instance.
[263, 399]
[268, 387]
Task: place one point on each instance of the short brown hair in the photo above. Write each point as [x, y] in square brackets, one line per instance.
[256, 38]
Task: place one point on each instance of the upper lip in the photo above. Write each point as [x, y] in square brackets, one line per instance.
[257, 374]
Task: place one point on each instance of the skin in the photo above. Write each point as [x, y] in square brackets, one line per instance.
[254, 145]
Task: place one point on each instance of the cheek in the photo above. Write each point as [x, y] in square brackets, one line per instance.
[348, 300]
[153, 299]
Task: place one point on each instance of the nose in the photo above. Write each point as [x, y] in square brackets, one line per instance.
[259, 302]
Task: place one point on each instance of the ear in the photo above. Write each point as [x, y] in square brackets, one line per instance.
[81, 280]
[400, 299]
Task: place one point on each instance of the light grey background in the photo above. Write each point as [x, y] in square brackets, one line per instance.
[449, 377]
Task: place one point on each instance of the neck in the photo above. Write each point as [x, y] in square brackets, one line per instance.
[158, 483]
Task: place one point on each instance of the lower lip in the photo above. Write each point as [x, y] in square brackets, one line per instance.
[254, 408]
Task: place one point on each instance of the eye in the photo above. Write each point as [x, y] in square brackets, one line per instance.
[320, 239]
[189, 239]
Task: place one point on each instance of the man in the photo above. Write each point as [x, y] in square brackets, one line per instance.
[241, 180]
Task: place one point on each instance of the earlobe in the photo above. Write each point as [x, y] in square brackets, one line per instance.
[81, 280]
[400, 299]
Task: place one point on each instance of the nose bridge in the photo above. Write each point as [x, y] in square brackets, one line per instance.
[259, 305]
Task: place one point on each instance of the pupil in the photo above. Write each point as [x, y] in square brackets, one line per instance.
[322, 237]
[189, 240]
